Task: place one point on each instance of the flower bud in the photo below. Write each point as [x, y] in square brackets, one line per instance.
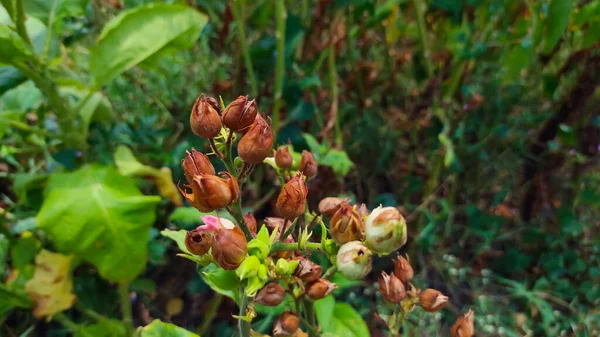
[307, 270]
[363, 211]
[248, 268]
[403, 269]
[198, 241]
[240, 114]
[354, 260]
[257, 143]
[432, 300]
[320, 288]
[211, 192]
[328, 206]
[346, 224]
[464, 326]
[196, 163]
[287, 324]
[283, 157]
[391, 288]
[308, 164]
[229, 247]
[204, 119]
[292, 198]
[250, 222]
[271, 295]
[385, 230]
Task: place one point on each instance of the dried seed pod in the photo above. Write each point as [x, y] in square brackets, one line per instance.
[328, 206]
[432, 300]
[211, 192]
[283, 157]
[240, 114]
[250, 222]
[308, 164]
[346, 224]
[403, 269]
[385, 230]
[204, 119]
[286, 325]
[354, 260]
[320, 288]
[464, 326]
[257, 143]
[292, 198]
[229, 247]
[271, 294]
[391, 288]
[198, 241]
[307, 270]
[196, 163]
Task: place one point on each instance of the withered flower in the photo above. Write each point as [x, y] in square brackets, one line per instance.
[391, 288]
[229, 247]
[271, 294]
[198, 241]
[257, 143]
[212, 192]
[403, 269]
[196, 163]
[240, 114]
[292, 198]
[307, 270]
[204, 119]
[346, 224]
[286, 325]
[250, 222]
[308, 164]
[432, 300]
[283, 157]
[320, 288]
[464, 326]
[328, 206]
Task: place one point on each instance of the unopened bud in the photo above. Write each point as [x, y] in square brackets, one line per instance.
[240, 114]
[204, 119]
[250, 222]
[271, 295]
[385, 230]
[284, 267]
[196, 163]
[287, 324]
[464, 326]
[229, 247]
[354, 260]
[211, 192]
[403, 269]
[307, 270]
[283, 157]
[292, 198]
[320, 288]
[257, 143]
[308, 164]
[363, 211]
[328, 206]
[346, 224]
[391, 288]
[198, 241]
[432, 300]
[248, 268]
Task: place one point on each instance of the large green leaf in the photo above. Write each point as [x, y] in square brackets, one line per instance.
[12, 47]
[41, 9]
[339, 319]
[556, 22]
[101, 216]
[141, 33]
[162, 329]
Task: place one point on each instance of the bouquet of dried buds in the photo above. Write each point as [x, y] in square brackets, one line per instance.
[272, 260]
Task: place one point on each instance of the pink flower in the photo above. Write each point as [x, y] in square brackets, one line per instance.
[211, 223]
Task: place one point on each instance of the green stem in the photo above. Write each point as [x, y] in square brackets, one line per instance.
[238, 16]
[211, 313]
[49, 30]
[330, 272]
[280, 64]
[281, 246]
[20, 22]
[126, 308]
[423, 35]
[69, 324]
[243, 326]
[309, 310]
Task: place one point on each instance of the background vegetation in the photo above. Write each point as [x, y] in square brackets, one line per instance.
[479, 119]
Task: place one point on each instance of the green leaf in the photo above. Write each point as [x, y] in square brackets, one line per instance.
[140, 33]
[104, 328]
[556, 22]
[161, 329]
[347, 322]
[41, 9]
[12, 48]
[178, 237]
[338, 160]
[12, 297]
[4, 247]
[101, 216]
[225, 282]
[24, 250]
[324, 310]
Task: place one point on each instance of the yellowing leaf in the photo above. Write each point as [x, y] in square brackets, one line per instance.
[51, 286]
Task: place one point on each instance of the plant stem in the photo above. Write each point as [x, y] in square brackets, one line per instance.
[238, 16]
[423, 35]
[69, 324]
[126, 308]
[243, 326]
[281, 246]
[332, 270]
[309, 310]
[211, 313]
[20, 22]
[280, 64]
[236, 209]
